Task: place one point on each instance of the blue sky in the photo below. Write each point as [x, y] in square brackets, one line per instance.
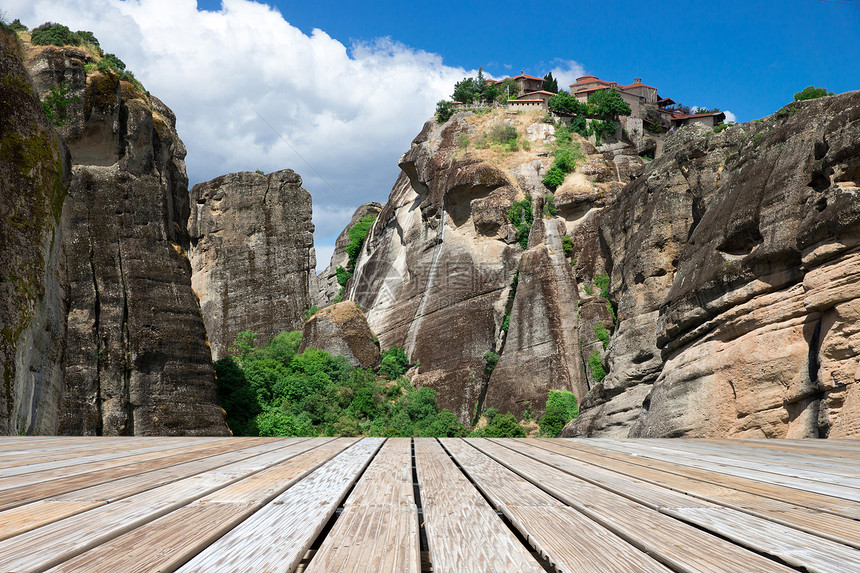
[747, 56]
[346, 86]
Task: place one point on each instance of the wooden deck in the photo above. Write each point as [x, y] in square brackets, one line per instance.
[448, 505]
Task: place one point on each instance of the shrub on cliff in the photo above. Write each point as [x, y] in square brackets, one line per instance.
[561, 408]
[608, 104]
[811, 92]
[521, 217]
[563, 102]
[357, 234]
[444, 111]
[394, 363]
[53, 34]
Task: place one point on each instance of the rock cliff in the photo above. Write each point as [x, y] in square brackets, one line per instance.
[34, 173]
[328, 285]
[443, 276]
[734, 261]
[342, 330]
[135, 358]
[252, 253]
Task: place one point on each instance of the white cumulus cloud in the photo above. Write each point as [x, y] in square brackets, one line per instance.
[251, 91]
[566, 72]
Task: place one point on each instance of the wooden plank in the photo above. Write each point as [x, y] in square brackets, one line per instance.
[793, 546]
[815, 447]
[100, 454]
[829, 526]
[666, 539]
[50, 545]
[44, 511]
[378, 529]
[464, 534]
[134, 465]
[566, 538]
[818, 468]
[644, 450]
[173, 539]
[277, 536]
[25, 478]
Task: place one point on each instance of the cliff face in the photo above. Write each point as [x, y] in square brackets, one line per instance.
[136, 359]
[252, 254]
[437, 273]
[34, 172]
[328, 285]
[735, 261]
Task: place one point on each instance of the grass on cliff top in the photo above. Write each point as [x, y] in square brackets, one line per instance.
[481, 143]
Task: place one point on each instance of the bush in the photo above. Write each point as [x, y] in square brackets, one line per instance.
[17, 26]
[601, 281]
[602, 334]
[561, 408]
[554, 177]
[357, 234]
[311, 311]
[503, 426]
[491, 359]
[567, 245]
[521, 217]
[343, 276]
[444, 111]
[394, 363]
[811, 92]
[503, 133]
[595, 362]
[52, 34]
[56, 102]
[549, 209]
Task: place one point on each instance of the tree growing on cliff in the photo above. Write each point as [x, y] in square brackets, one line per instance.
[608, 104]
[811, 92]
[561, 408]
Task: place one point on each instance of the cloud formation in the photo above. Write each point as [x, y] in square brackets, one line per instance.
[347, 111]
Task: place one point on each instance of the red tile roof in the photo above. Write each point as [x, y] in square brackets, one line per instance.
[539, 92]
[524, 76]
[638, 85]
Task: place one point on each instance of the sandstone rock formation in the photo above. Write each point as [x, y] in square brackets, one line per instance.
[735, 261]
[252, 254]
[135, 359]
[328, 285]
[342, 330]
[437, 269]
[34, 173]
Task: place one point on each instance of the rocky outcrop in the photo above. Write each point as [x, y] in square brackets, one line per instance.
[252, 254]
[136, 359]
[735, 261]
[34, 173]
[541, 349]
[436, 274]
[327, 280]
[342, 330]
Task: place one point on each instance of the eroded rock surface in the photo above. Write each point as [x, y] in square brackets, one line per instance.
[437, 271]
[34, 174]
[252, 254]
[136, 358]
[734, 263]
[328, 285]
[342, 330]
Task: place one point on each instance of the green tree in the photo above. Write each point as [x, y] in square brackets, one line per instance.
[811, 92]
[357, 234]
[561, 408]
[504, 426]
[394, 363]
[17, 26]
[550, 84]
[508, 89]
[465, 91]
[608, 104]
[444, 111]
[563, 102]
[51, 33]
